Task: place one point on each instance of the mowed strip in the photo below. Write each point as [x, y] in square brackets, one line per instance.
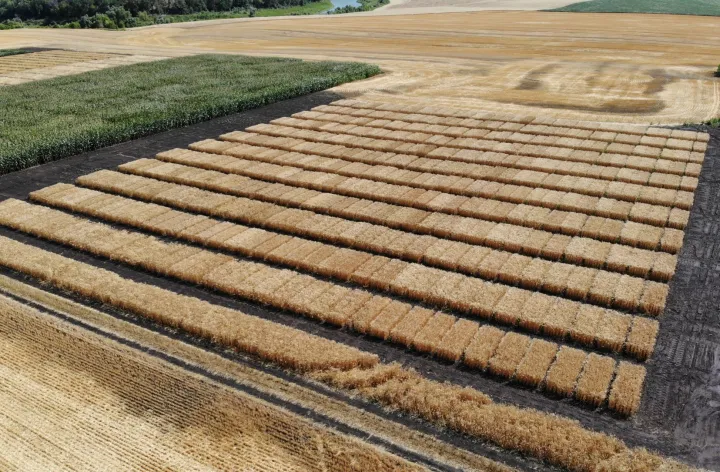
[509, 238]
[432, 286]
[601, 287]
[451, 177]
[464, 409]
[376, 315]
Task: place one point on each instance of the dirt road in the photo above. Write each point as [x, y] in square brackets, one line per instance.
[638, 68]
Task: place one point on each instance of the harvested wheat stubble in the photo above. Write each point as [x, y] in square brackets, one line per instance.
[506, 426]
[594, 382]
[462, 180]
[560, 159]
[489, 162]
[462, 229]
[61, 383]
[627, 388]
[488, 210]
[565, 370]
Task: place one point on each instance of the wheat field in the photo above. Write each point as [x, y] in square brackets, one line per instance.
[533, 251]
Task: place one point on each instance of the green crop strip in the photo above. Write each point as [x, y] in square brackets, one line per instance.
[51, 119]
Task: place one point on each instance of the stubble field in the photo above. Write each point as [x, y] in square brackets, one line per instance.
[621, 68]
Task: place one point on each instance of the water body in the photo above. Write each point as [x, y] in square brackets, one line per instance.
[345, 3]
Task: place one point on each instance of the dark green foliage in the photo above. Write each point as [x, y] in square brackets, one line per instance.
[677, 7]
[123, 13]
[12, 52]
[51, 119]
[717, 72]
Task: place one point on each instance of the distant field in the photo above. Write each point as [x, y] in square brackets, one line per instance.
[675, 7]
[51, 119]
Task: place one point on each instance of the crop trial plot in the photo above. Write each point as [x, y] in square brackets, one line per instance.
[531, 251]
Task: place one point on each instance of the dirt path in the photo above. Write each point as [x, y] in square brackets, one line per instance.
[637, 68]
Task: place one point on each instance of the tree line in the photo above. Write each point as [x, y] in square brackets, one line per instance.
[93, 13]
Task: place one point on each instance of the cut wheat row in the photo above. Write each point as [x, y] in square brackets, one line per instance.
[575, 155]
[375, 315]
[463, 409]
[603, 288]
[580, 251]
[495, 167]
[548, 130]
[490, 264]
[266, 339]
[522, 198]
[484, 210]
[651, 152]
[535, 159]
[450, 117]
[599, 175]
[414, 281]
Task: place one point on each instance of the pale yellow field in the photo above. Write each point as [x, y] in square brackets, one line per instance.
[21, 68]
[622, 68]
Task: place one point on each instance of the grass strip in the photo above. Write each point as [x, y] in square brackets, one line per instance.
[672, 7]
[13, 52]
[95, 109]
